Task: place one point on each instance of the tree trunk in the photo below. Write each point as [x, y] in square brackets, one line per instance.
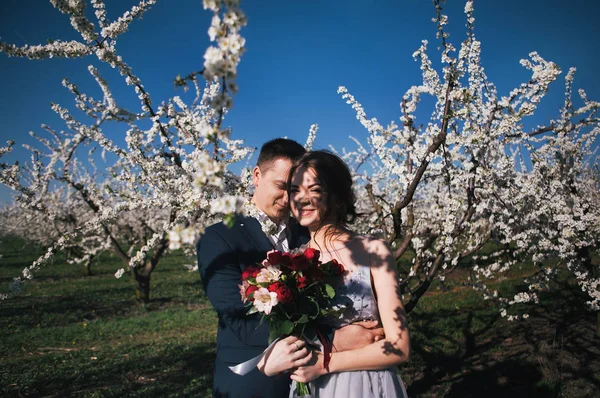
[142, 273]
[586, 259]
[88, 266]
[142, 284]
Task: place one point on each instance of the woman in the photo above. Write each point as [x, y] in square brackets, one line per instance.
[321, 199]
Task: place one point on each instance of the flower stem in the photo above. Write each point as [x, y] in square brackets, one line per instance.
[302, 389]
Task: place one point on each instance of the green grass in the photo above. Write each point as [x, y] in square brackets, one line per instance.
[68, 334]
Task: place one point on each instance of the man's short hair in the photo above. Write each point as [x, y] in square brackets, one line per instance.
[279, 148]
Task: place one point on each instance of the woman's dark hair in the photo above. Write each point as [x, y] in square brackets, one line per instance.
[336, 181]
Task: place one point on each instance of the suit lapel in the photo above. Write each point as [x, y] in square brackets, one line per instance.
[252, 229]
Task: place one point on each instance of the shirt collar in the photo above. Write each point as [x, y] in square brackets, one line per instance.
[268, 226]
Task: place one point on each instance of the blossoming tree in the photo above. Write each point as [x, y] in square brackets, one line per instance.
[473, 175]
[470, 175]
[66, 211]
[175, 160]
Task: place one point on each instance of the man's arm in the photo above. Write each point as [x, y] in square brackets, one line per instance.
[357, 335]
[221, 277]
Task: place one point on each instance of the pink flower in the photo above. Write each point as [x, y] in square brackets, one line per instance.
[268, 275]
[264, 300]
[246, 290]
[243, 288]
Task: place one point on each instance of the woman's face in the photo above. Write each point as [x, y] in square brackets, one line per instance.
[307, 198]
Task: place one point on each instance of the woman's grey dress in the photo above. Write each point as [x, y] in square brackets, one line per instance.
[357, 293]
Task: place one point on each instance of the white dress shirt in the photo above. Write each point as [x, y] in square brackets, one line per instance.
[279, 239]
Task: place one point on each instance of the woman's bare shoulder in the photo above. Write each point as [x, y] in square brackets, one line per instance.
[374, 245]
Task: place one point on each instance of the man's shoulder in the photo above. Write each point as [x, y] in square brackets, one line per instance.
[221, 229]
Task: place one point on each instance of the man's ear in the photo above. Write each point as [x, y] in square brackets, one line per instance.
[256, 176]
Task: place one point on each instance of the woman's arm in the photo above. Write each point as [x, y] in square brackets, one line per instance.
[392, 350]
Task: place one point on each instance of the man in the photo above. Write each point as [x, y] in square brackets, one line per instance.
[223, 254]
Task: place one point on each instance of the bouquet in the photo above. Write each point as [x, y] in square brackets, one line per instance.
[292, 293]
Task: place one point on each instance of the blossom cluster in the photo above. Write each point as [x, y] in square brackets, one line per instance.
[149, 195]
[469, 184]
[312, 134]
[221, 61]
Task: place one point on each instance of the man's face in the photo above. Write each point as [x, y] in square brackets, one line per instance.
[270, 194]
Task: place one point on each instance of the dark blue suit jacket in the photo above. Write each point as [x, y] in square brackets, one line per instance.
[223, 253]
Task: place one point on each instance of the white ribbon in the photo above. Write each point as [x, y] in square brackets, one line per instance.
[245, 367]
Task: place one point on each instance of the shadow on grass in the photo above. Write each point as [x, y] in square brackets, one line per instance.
[553, 353]
[29, 309]
[177, 371]
[510, 378]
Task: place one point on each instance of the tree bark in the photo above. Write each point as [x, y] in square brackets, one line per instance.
[142, 284]
[88, 266]
[586, 259]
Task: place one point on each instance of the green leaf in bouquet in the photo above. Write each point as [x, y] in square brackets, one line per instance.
[252, 310]
[262, 319]
[273, 334]
[330, 291]
[283, 310]
[318, 308]
[287, 327]
[303, 319]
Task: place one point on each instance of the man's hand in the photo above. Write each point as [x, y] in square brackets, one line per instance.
[357, 335]
[286, 354]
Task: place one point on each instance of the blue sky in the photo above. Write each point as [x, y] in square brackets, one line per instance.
[298, 53]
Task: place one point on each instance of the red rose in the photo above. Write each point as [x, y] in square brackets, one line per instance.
[315, 273]
[286, 259]
[312, 255]
[274, 257]
[250, 272]
[298, 262]
[336, 267]
[249, 290]
[284, 294]
[332, 268]
[302, 281]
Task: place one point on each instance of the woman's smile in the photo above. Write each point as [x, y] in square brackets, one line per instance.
[307, 212]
